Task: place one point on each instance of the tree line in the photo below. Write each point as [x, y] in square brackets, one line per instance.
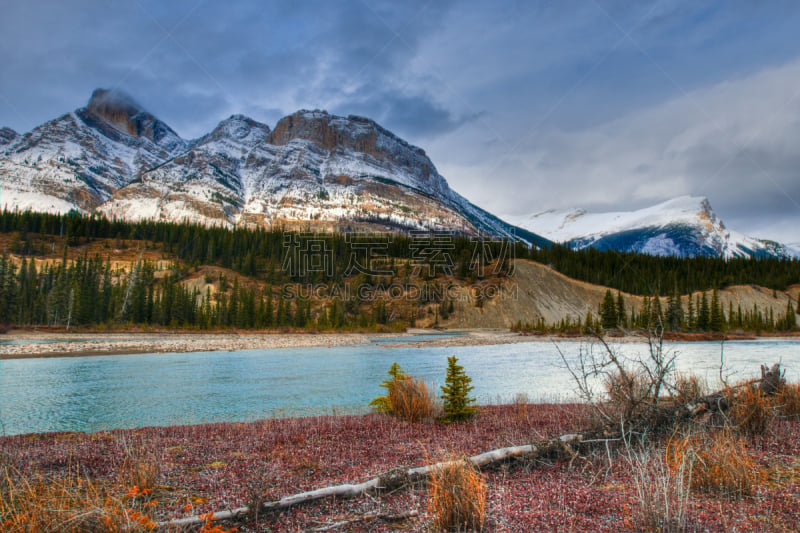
[692, 313]
[88, 291]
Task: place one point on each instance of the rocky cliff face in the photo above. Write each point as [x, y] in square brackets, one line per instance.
[7, 135]
[359, 135]
[315, 170]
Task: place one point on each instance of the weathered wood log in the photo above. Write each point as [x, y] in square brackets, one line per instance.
[562, 446]
[388, 481]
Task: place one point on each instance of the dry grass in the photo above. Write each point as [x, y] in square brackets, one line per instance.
[787, 401]
[750, 410]
[720, 463]
[410, 399]
[457, 496]
[689, 387]
[139, 469]
[69, 505]
[521, 401]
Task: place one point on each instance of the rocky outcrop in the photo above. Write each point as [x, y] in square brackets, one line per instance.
[7, 135]
[356, 134]
[124, 113]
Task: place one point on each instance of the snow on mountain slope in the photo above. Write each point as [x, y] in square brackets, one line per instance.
[684, 226]
[315, 169]
[79, 159]
[202, 184]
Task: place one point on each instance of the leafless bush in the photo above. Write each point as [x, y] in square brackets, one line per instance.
[411, 400]
[633, 385]
[662, 489]
[140, 468]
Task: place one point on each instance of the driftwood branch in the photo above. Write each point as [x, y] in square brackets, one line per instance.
[562, 446]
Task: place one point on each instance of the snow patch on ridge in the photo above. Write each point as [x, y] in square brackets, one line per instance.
[683, 226]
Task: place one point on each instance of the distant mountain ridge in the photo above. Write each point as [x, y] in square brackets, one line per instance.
[684, 226]
[314, 170]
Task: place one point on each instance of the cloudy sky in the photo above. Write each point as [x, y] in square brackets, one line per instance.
[523, 105]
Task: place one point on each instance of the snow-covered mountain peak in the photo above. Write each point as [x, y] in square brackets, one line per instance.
[686, 226]
[238, 128]
[313, 170]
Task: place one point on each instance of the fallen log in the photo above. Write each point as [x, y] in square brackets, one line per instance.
[562, 446]
[389, 481]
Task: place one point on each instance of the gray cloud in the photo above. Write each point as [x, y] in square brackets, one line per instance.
[734, 142]
[522, 105]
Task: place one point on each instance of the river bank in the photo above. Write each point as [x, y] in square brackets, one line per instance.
[37, 344]
[22, 344]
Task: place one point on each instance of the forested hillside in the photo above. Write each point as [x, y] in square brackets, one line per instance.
[68, 270]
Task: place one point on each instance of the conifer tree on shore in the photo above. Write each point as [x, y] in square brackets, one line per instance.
[455, 393]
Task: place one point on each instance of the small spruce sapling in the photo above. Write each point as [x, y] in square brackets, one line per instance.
[383, 404]
[455, 393]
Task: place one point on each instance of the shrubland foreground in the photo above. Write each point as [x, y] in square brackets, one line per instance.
[745, 476]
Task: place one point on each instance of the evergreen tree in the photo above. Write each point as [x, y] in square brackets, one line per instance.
[703, 314]
[622, 317]
[589, 326]
[268, 318]
[658, 313]
[608, 311]
[383, 404]
[716, 318]
[789, 321]
[455, 393]
[674, 312]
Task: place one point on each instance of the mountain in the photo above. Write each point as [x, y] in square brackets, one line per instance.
[684, 226]
[314, 170]
[77, 161]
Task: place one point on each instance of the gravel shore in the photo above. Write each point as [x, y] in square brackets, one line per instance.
[80, 344]
[50, 344]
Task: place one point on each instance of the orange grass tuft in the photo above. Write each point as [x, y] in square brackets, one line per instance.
[70, 505]
[411, 400]
[750, 410]
[787, 401]
[457, 496]
[720, 463]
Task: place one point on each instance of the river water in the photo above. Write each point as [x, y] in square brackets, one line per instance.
[107, 392]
